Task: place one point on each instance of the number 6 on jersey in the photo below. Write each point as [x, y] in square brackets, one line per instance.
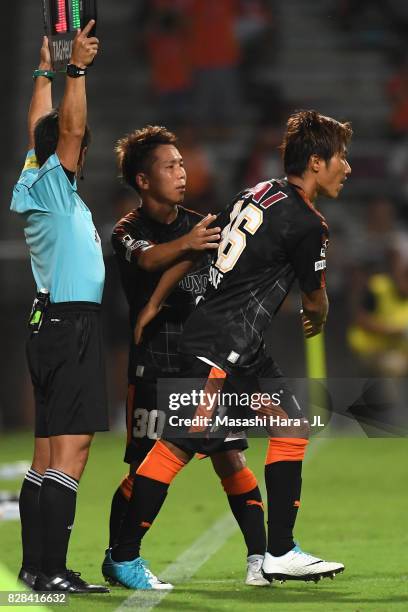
[233, 240]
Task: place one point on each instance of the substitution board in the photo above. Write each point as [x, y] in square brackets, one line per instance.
[62, 18]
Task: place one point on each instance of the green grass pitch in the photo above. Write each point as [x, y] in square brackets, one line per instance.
[353, 510]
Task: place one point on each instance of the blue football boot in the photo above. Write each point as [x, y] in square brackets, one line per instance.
[131, 574]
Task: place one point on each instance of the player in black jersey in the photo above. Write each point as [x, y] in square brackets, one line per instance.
[272, 235]
[146, 241]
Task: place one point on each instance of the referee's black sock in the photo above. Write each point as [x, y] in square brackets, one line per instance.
[147, 498]
[31, 521]
[57, 507]
[283, 483]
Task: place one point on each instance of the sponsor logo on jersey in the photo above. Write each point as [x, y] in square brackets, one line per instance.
[215, 277]
[194, 283]
[324, 248]
[320, 265]
[132, 244]
[140, 370]
[233, 357]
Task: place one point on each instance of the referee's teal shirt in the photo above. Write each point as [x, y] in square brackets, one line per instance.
[65, 249]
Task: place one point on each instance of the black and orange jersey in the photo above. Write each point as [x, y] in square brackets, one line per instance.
[271, 236]
[133, 234]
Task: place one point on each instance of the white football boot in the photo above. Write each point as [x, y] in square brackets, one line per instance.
[298, 565]
[254, 575]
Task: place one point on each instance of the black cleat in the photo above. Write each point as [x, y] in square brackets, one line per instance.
[69, 582]
[27, 578]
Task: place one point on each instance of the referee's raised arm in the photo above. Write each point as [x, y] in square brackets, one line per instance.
[41, 101]
[73, 112]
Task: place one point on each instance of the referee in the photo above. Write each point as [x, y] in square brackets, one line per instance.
[65, 354]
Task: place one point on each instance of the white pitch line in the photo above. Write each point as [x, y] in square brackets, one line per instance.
[187, 564]
[190, 561]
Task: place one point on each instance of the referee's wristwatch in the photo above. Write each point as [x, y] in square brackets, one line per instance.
[75, 71]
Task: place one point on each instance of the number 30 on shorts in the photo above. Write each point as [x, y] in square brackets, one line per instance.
[233, 240]
[148, 423]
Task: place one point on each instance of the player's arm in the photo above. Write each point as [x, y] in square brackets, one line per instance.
[73, 111]
[200, 238]
[168, 281]
[41, 100]
[315, 308]
[308, 257]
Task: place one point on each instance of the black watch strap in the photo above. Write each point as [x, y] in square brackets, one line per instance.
[75, 71]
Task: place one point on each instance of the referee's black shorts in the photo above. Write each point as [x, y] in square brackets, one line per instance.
[66, 362]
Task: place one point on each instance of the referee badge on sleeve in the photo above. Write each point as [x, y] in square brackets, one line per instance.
[31, 163]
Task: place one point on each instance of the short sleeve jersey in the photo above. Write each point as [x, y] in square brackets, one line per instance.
[132, 235]
[65, 249]
[271, 236]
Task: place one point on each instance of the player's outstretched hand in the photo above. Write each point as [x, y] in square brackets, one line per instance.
[146, 315]
[202, 237]
[84, 49]
[45, 55]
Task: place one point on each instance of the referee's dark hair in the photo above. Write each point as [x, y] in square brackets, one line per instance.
[310, 133]
[134, 151]
[46, 132]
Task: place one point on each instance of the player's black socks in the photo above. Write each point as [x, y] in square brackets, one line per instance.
[57, 507]
[31, 521]
[118, 512]
[147, 498]
[249, 514]
[283, 483]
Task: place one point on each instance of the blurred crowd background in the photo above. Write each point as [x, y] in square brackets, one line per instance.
[225, 75]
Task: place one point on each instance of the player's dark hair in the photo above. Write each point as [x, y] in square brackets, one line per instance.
[310, 133]
[134, 151]
[46, 132]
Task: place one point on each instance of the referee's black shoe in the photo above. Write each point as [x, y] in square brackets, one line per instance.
[27, 578]
[69, 582]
